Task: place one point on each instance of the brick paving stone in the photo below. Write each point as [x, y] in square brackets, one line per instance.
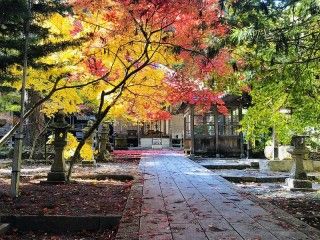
[188, 232]
[181, 216]
[183, 200]
[252, 230]
[156, 237]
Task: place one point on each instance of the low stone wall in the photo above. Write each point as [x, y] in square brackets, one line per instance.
[286, 165]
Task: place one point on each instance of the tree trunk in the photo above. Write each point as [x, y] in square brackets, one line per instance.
[95, 125]
[36, 123]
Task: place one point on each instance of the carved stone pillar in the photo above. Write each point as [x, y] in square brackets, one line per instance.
[298, 177]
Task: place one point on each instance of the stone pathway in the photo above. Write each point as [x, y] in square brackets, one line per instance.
[183, 200]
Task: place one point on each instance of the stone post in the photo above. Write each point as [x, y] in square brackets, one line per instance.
[298, 177]
[104, 146]
[89, 142]
[58, 168]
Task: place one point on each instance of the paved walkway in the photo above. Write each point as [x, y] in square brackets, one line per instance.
[183, 200]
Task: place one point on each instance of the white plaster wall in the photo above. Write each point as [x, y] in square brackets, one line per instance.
[177, 125]
[146, 142]
[165, 142]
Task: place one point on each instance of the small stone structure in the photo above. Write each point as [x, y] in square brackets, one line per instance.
[298, 177]
[282, 152]
[58, 168]
[90, 142]
[104, 144]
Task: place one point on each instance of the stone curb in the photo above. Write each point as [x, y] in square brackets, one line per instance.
[99, 176]
[130, 221]
[58, 224]
[4, 227]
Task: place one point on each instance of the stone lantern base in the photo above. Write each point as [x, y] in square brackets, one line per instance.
[57, 177]
[299, 185]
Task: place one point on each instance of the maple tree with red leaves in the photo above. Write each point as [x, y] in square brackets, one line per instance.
[132, 48]
[132, 42]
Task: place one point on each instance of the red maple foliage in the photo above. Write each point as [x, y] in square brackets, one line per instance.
[183, 89]
[185, 27]
[96, 67]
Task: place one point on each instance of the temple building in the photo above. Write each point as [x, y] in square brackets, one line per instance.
[209, 134]
[215, 134]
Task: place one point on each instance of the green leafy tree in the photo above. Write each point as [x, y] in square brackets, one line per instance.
[279, 41]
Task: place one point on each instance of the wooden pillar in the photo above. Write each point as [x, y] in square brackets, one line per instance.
[184, 129]
[274, 144]
[138, 134]
[216, 128]
[192, 128]
[241, 134]
[170, 129]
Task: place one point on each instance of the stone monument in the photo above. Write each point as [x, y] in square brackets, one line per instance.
[58, 168]
[298, 177]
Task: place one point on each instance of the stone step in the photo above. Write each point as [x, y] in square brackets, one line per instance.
[264, 179]
[226, 166]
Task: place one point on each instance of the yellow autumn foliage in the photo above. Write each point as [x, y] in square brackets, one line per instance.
[87, 152]
[72, 144]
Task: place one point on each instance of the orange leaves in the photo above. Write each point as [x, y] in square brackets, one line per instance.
[111, 16]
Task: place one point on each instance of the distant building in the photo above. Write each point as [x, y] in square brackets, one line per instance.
[149, 135]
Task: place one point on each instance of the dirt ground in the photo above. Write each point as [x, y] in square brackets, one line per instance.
[302, 205]
[85, 196]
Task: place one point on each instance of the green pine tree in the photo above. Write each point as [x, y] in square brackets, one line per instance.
[13, 19]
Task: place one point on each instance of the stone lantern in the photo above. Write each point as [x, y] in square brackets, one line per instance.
[58, 168]
[104, 146]
[298, 177]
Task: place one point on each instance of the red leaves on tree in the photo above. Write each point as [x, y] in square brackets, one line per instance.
[159, 115]
[183, 89]
[77, 27]
[184, 28]
[96, 67]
